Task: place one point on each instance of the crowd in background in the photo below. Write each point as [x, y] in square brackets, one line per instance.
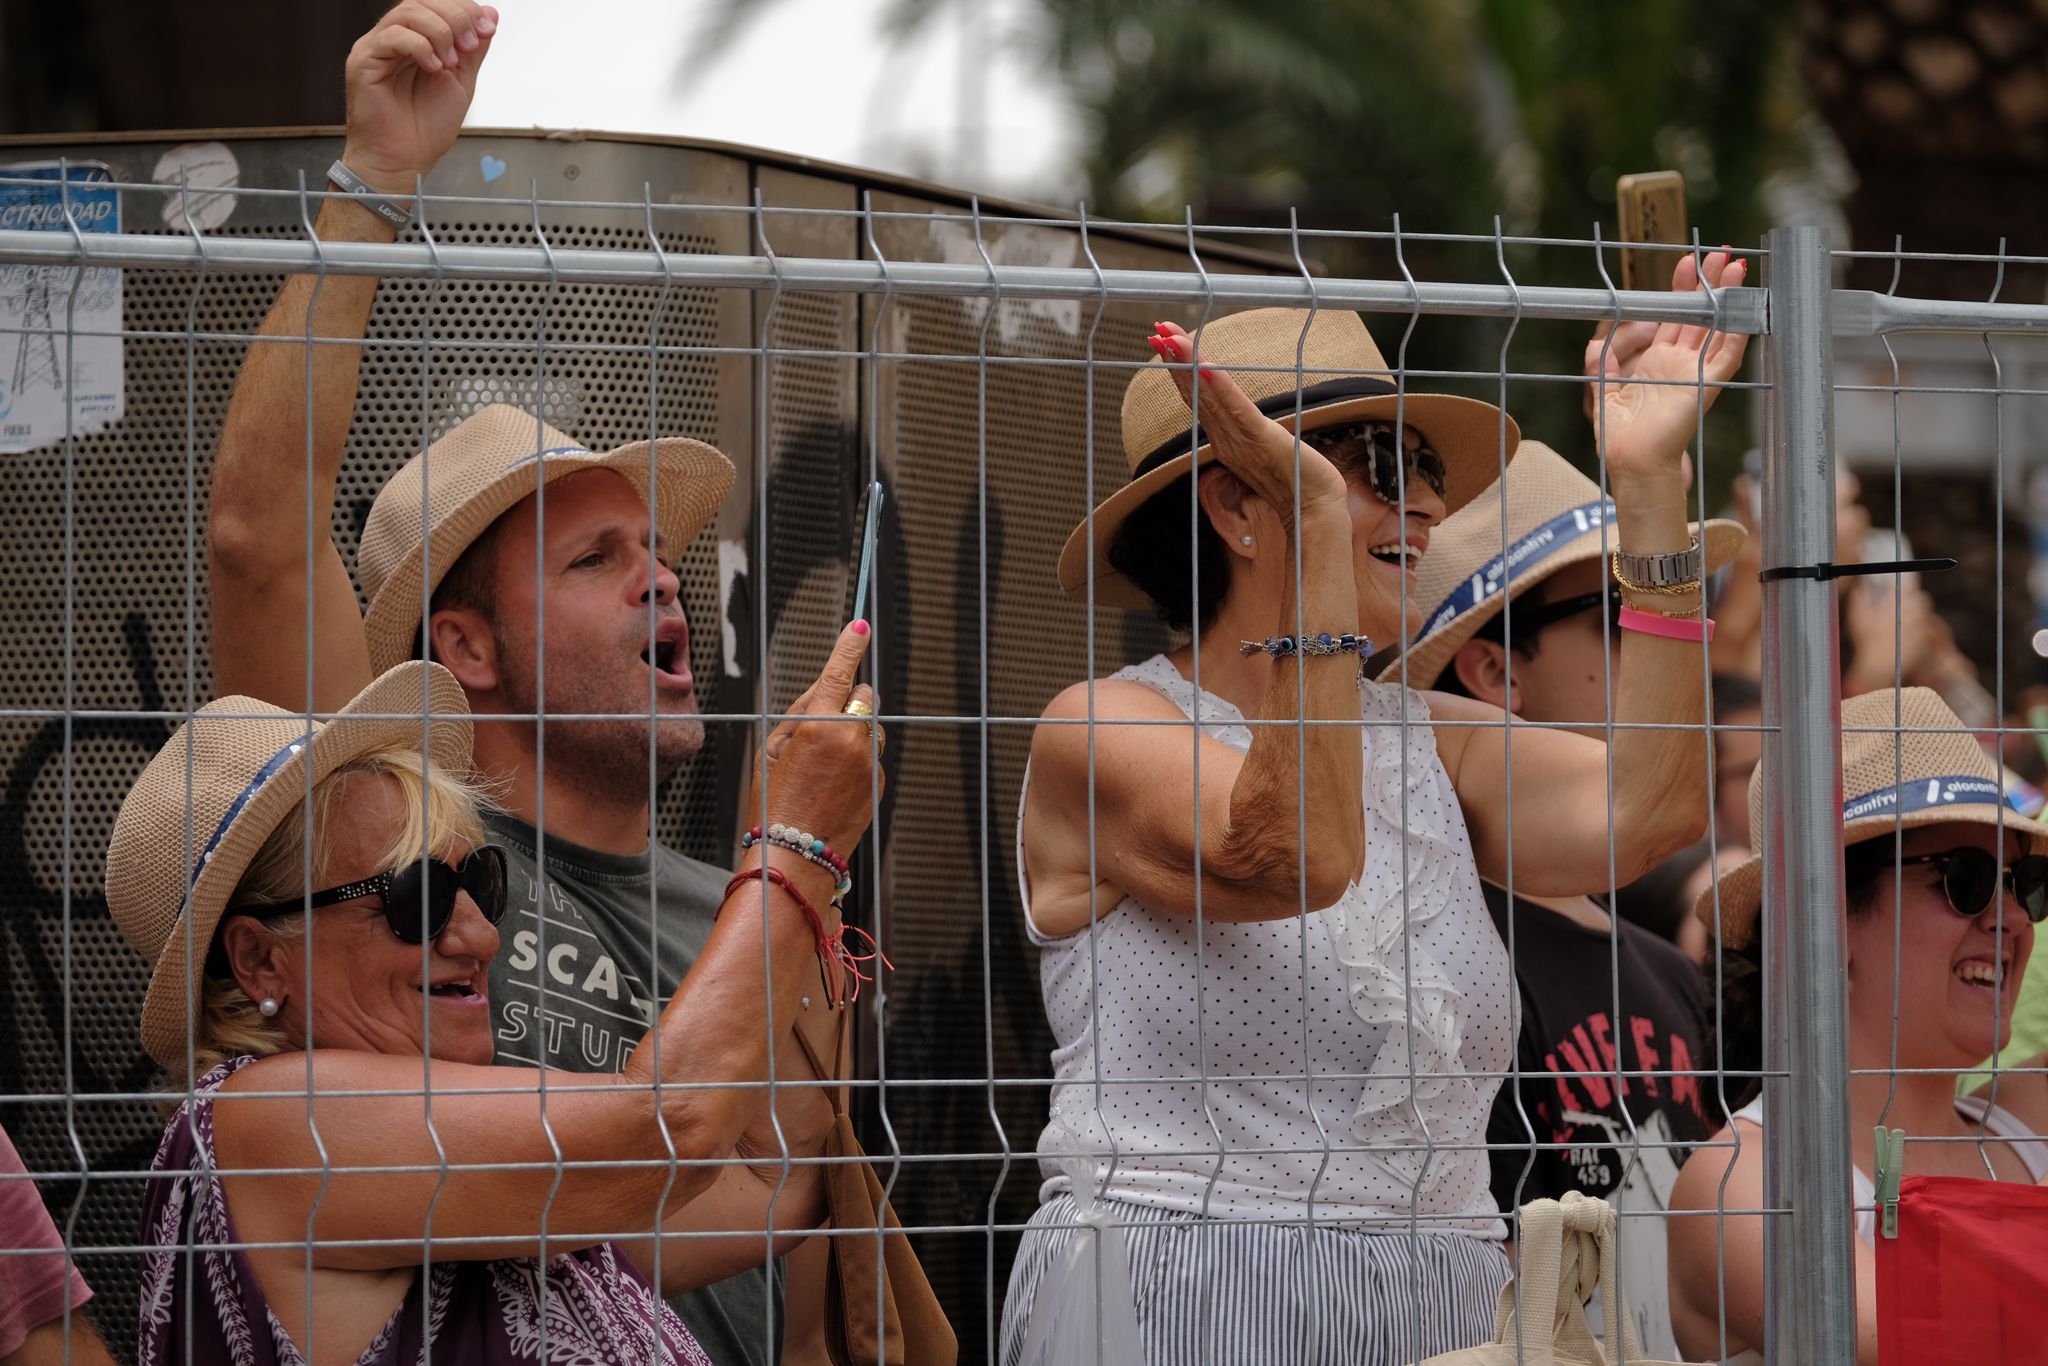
[1331, 1001]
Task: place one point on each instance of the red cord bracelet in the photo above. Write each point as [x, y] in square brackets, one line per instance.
[832, 948]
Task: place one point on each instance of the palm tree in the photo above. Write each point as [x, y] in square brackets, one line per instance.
[1452, 115]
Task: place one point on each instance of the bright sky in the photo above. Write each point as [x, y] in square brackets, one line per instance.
[808, 76]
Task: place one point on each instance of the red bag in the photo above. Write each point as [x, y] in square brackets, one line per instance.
[1966, 1280]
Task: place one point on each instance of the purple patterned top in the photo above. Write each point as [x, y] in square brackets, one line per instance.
[597, 1307]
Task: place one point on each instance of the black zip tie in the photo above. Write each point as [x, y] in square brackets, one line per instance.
[1827, 570]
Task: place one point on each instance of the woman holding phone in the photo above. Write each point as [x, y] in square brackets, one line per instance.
[1279, 1003]
[352, 1177]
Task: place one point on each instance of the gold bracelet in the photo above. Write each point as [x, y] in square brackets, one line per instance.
[1672, 590]
[1693, 613]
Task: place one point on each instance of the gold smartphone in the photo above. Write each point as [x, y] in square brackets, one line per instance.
[1652, 210]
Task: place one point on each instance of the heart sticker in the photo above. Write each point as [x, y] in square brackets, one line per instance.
[491, 167]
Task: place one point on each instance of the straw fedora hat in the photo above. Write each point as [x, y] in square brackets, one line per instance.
[1341, 378]
[1931, 771]
[1554, 520]
[209, 799]
[475, 474]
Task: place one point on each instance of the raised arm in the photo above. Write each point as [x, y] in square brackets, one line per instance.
[1661, 791]
[1248, 838]
[409, 84]
[600, 1157]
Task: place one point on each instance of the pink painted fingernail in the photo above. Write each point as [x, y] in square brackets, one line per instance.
[860, 628]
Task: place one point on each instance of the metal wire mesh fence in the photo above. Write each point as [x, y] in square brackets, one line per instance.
[975, 365]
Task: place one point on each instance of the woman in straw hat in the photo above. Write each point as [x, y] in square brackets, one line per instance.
[320, 910]
[1944, 885]
[1291, 1080]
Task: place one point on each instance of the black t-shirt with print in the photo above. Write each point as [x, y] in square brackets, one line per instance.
[1570, 1047]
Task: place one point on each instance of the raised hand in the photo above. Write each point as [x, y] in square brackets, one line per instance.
[409, 82]
[1251, 445]
[819, 762]
[1643, 427]
[1616, 359]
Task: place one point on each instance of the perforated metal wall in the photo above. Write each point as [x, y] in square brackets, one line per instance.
[106, 605]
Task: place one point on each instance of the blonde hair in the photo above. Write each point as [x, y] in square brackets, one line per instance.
[442, 812]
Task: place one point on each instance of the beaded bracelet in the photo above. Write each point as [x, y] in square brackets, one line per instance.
[810, 846]
[1280, 647]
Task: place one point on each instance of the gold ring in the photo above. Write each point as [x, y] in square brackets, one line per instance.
[860, 707]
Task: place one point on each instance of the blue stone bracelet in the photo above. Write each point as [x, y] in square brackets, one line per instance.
[1324, 644]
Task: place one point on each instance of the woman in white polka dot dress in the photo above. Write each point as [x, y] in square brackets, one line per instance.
[1280, 1007]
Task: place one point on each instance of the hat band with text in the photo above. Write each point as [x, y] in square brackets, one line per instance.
[1922, 794]
[1526, 553]
[263, 775]
[1277, 406]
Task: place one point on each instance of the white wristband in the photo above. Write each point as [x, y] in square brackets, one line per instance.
[367, 196]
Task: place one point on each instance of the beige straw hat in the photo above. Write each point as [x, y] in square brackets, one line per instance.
[475, 474]
[1342, 378]
[1554, 516]
[1930, 771]
[209, 799]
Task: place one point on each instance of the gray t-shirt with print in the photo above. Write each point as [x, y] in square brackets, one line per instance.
[580, 976]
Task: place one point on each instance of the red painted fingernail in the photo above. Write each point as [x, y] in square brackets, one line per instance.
[1207, 373]
[1158, 346]
[860, 628]
[1160, 328]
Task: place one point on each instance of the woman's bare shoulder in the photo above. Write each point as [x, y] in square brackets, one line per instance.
[1109, 700]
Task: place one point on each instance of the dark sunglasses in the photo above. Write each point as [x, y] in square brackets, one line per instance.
[1970, 878]
[418, 913]
[1388, 461]
[1533, 618]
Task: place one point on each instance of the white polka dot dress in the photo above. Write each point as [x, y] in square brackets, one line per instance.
[1262, 1071]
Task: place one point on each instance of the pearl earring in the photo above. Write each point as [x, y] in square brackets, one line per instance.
[1244, 540]
[268, 1005]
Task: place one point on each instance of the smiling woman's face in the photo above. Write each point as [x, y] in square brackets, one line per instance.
[351, 982]
[1955, 978]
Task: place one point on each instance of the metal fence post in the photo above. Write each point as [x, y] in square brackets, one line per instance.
[1808, 1258]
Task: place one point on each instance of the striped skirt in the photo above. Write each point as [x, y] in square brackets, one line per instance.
[1209, 1292]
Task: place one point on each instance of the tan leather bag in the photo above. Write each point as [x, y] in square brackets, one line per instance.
[875, 1267]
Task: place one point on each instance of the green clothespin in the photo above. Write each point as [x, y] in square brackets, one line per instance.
[1891, 1163]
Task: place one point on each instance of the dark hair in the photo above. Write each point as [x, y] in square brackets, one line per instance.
[1494, 629]
[1739, 1045]
[470, 583]
[1151, 550]
[1736, 692]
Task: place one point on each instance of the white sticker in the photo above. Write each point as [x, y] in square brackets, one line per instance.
[210, 175]
[732, 562]
[51, 313]
[1027, 245]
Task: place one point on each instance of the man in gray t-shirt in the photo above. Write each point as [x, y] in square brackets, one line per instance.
[578, 980]
[571, 614]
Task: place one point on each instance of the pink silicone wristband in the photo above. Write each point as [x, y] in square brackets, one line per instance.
[1672, 628]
